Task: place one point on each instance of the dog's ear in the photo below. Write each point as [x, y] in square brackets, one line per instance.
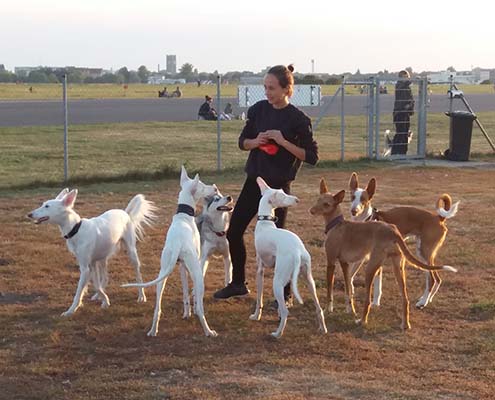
[62, 194]
[323, 186]
[183, 175]
[371, 188]
[339, 197]
[353, 183]
[262, 184]
[194, 184]
[70, 198]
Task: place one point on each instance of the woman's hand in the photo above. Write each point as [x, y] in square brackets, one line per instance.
[276, 136]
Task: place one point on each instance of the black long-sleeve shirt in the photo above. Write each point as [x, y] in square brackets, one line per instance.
[295, 126]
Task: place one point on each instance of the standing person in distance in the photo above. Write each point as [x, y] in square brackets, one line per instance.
[403, 109]
[279, 137]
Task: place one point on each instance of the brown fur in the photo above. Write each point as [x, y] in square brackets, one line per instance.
[350, 242]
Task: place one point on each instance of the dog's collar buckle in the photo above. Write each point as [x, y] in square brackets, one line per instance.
[334, 222]
[267, 218]
[74, 230]
[186, 209]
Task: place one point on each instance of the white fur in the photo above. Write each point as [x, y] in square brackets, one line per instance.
[283, 250]
[97, 239]
[183, 244]
[448, 214]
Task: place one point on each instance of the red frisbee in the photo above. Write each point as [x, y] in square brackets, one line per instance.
[269, 148]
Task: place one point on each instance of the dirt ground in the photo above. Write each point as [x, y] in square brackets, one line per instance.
[105, 354]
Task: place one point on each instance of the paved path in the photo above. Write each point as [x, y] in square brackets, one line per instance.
[49, 112]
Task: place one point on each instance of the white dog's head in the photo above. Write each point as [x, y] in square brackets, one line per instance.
[275, 197]
[55, 211]
[195, 187]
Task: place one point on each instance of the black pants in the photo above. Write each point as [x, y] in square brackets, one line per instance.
[246, 208]
[402, 124]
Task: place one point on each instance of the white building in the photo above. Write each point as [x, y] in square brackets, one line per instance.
[474, 77]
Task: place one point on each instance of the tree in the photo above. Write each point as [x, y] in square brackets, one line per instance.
[37, 77]
[143, 74]
[410, 70]
[124, 72]
[451, 69]
[186, 71]
[133, 77]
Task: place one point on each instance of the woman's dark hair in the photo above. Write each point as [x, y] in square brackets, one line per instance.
[284, 76]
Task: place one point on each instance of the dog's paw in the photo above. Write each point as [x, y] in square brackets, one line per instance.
[255, 316]
[323, 329]
[405, 326]
[359, 322]
[186, 314]
[329, 308]
[95, 297]
[276, 335]
[105, 304]
[141, 298]
[67, 313]
[375, 304]
[421, 304]
[211, 333]
[152, 332]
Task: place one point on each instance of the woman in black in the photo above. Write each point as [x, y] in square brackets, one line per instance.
[279, 137]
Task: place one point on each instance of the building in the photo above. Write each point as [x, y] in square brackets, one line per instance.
[171, 64]
[474, 77]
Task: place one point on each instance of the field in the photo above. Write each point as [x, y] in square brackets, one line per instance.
[12, 91]
[34, 155]
[105, 354]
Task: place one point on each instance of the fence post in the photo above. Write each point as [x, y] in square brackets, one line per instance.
[66, 135]
[342, 120]
[219, 127]
[422, 93]
[377, 119]
[371, 109]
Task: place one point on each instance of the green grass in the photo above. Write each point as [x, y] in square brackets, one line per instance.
[41, 91]
[33, 156]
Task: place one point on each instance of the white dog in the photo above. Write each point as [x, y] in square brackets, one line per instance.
[183, 244]
[284, 250]
[93, 241]
[213, 223]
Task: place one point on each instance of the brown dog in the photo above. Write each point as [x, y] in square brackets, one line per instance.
[428, 227]
[349, 242]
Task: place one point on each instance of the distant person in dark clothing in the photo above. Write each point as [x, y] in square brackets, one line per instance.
[279, 138]
[206, 111]
[177, 92]
[403, 109]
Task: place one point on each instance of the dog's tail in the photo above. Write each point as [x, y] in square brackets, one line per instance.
[448, 210]
[293, 282]
[415, 262]
[169, 258]
[141, 212]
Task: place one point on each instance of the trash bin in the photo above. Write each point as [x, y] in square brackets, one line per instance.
[461, 129]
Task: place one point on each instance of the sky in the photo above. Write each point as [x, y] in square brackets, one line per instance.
[340, 36]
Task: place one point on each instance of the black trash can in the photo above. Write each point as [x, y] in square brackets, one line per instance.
[461, 129]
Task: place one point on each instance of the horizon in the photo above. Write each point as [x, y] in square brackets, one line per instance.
[426, 36]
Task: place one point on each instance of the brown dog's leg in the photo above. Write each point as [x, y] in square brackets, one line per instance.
[330, 280]
[399, 263]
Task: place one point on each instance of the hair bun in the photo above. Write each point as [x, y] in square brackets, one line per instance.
[290, 67]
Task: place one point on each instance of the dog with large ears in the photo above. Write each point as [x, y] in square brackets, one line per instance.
[429, 228]
[350, 242]
[93, 241]
[182, 244]
[283, 250]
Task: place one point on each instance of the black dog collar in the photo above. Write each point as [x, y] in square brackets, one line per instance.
[267, 218]
[334, 222]
[186, 209]
[73, 230]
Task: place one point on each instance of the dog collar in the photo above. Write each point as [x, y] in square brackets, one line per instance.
[267, 218]
[74, 230]
[334, 222]
[186, 209]
[219, 234]
[372, 216]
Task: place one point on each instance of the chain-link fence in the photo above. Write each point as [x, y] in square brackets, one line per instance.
[127, 136]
